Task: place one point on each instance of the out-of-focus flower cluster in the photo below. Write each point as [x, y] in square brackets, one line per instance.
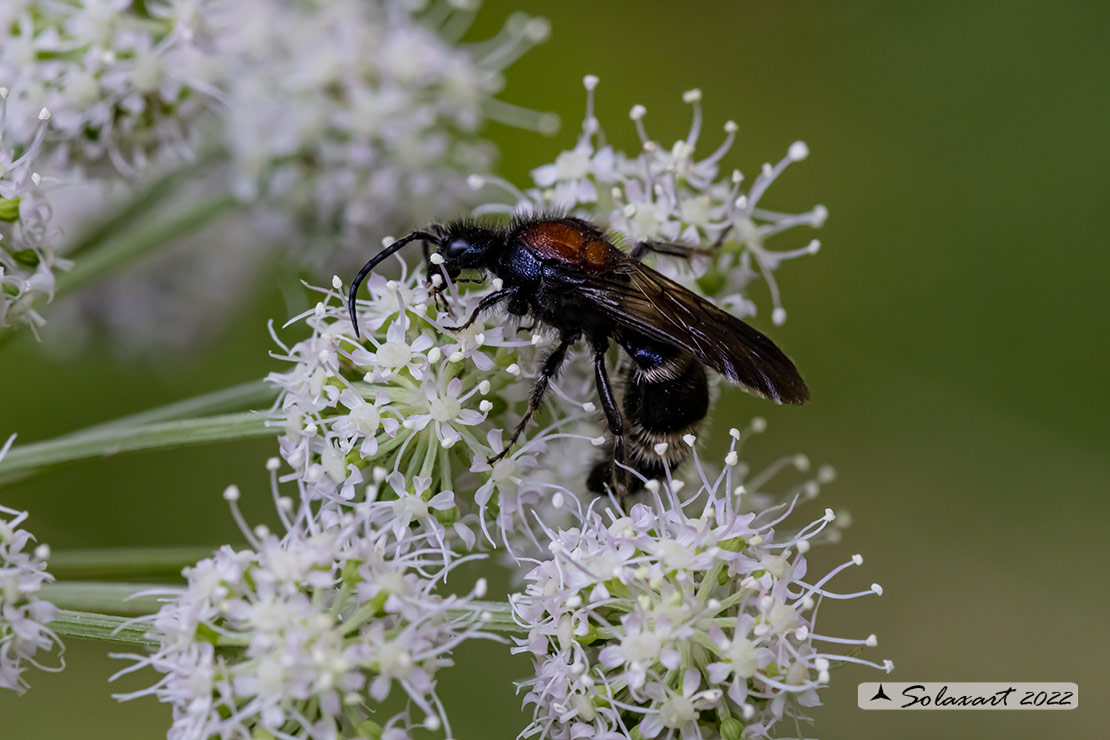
[23, 615]
[410, 411]
[358, 116]
[667, 195]
[684, 617]
[27, 251]
[307, 634]
[129, 83]
[331, 121]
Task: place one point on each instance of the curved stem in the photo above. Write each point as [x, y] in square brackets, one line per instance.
[116, 254]
[110, 441]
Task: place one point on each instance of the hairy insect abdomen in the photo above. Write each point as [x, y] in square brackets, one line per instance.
[666, 397]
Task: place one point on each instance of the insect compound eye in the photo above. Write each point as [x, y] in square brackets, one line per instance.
[455, 249]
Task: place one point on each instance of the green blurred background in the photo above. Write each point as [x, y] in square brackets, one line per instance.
[952, 330]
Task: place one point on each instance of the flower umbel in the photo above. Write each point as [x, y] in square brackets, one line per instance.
[349, 117]
[23, 615]
[27, 257]
[685, 617]
[409, 403]
[305, 635]
[129, 83]
[666, 195]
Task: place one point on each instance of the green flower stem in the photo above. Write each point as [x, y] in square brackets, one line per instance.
[118, 253]
[118, 599]
[250, 395]
[115, 606]
[110, 441]
[142, 203]
[129, 562]
[104, 627]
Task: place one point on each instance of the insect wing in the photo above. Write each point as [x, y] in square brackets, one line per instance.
[637, 297]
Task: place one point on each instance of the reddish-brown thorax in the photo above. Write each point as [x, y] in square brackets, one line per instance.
[568, 242]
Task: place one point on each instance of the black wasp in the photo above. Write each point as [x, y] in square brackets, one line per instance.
[564, 273]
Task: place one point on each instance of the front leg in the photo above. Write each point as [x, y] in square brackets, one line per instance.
[550, 369]
[488, 302]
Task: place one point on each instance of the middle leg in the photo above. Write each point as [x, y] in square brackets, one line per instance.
[549, 370]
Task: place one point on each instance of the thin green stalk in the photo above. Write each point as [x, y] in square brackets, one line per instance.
[124, 562]
[138, 206]
[112, 441]
[120, 599]
[115, 627]
[250, 395]
[115, 254]
[104, 627]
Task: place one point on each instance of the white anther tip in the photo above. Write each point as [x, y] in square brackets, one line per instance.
[273, 464]
[436, 258]
[590, 81]
[798, 151]
[637, 112]
[731, 127]
[689, 439]
[44, 114]
[877, 589]
[661, 448]
[476, 182]
[778, 316]
[231, 493]
[691, 96]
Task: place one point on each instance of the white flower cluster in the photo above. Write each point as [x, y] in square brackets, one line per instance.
[410, 412]
[329, 120]
[355, 115]
[306, 635]
[23, 615]
[684, 617]
[27, 256]
[669, 196]
[129, 83]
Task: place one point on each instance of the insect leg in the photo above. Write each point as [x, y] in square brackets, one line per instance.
[550, 369]
[611, 472]
[491, 300]
[605, 389]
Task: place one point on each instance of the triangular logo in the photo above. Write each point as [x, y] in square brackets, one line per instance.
[880, 694]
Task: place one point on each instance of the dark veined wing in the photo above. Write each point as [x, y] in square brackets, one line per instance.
[637, 297]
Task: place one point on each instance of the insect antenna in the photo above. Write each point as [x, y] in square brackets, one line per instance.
[375, 261]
